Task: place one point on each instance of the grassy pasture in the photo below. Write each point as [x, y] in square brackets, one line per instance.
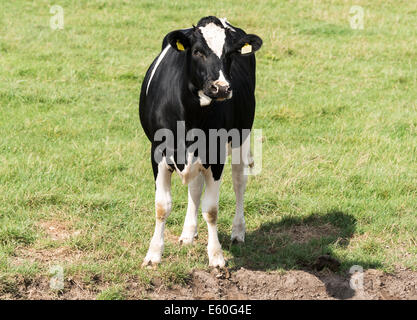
[337, 106]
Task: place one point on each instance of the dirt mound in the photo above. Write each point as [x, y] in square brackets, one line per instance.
[296, 284]
[39, 289]
[240, 285]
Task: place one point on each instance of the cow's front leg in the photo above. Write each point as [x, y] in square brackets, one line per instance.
[210, 208]
[189, 232]
[163, 204]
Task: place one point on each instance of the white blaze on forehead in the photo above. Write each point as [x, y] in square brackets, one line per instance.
[215, 37]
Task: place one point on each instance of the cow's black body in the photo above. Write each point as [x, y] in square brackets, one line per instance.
[170, 99]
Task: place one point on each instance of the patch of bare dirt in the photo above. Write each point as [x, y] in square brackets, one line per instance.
[240, 285]
[58, 230]
[290, 285]
[45, 256]
[39, 289]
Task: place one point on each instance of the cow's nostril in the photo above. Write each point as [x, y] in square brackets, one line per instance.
[227, 90]
[214, 88]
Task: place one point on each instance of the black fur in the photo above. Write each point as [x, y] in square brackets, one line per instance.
[173, 91]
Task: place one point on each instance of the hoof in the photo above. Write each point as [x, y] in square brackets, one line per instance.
[151, 260]
[238, 238]
[186, 240]
[216, 260]
[238, 233]
[149, 264]
[218, 263]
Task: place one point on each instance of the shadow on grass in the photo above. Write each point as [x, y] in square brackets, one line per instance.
[296, 243]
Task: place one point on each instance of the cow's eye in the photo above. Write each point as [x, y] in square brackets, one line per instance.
[198, 53]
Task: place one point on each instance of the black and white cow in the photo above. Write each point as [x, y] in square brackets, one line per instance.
[204, 79]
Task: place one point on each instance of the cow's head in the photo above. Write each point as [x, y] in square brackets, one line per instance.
[211, 47]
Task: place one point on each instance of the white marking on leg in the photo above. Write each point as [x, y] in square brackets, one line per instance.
[214, 36]
[195, 188]
[163, 204]
[161, 56]
[239, 186]
[210, 208]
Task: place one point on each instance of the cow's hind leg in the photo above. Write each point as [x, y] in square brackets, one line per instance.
[239, 185]
[210, 207]
[163, 204]
[189, 232]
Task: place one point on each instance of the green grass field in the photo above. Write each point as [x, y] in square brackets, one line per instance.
[337, 106]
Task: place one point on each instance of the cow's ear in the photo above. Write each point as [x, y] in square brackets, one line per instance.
[178, 40]
[249, 44]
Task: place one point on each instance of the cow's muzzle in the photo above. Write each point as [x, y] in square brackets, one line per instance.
[219, 90]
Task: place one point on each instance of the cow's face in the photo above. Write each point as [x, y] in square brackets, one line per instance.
[210, 48]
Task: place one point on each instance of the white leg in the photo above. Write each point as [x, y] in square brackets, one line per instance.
[163, 204]
[195, 188]
[239, 186]
[210, 207]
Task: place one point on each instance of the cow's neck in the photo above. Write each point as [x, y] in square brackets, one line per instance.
[194, 114]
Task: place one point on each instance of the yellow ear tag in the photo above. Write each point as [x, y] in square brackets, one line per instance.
[247, 48]
[180, 46]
